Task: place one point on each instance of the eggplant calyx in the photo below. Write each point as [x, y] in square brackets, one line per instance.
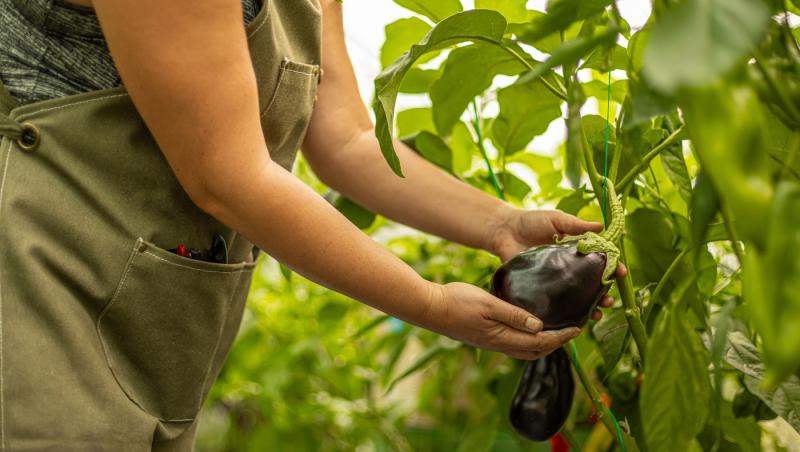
[591, 242]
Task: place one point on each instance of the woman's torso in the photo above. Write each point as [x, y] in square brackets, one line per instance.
[56, 48]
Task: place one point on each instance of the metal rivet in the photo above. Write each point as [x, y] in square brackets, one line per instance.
[30, 138]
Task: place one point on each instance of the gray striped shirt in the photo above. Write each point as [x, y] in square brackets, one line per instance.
[50, 49]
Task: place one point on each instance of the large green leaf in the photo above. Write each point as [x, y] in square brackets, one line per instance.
[358, 215]
[400, 36]
[436, 11]
[776, 306]
[433, 148]
[675, 166]
[784, 399]
[525, 112]
[570, 52]
[513, 10]
[699, 40]
[476, 25]
[419, 81]
[676, 391]
[704, 206]
[560, 15]
[599, 90]
[414, 120]
[610, 335]
[468, 72]
[598, 59]
[651, 237]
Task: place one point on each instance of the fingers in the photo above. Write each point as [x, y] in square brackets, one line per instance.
[515, 317]
[622, 271]
[565, 223]
[607, 301]
[526, 355]
[597, 315]
[545, 341]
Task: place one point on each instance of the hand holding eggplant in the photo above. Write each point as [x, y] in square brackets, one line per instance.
[561, 284]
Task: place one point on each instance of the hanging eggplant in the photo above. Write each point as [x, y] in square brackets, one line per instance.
[543, 398]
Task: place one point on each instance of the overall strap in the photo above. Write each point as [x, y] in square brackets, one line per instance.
[8, 127]
[7, 101]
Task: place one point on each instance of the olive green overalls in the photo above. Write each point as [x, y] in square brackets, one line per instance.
[107, 340]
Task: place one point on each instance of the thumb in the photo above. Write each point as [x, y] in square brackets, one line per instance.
[565, 223]
[515, 317]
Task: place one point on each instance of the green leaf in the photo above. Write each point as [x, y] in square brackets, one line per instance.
[570, 52]
[371, 325]
[468, 72]
[286, 272]
[513, 186]
[357, 215]
[400, 36]
[479, 439]
[644, 105]
[675, 166]
[400, 342]
[573, 203]
[414, 120]
[704, 207]
[463, 147]
[650, 237]
[422, 360]
[780, 269]
[419, 81]
[433, 148]
[599, 90]
[610, 335]
[676, 391]
[700, 40]
[332, 312]
[476, 25]
[434, 10]
[560, 15]
[525, 112]
[784, 399]
[597, 60]
[594, 128]
[718, 341]
[513, 10]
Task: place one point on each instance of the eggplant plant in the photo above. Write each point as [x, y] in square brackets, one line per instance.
[697, 125]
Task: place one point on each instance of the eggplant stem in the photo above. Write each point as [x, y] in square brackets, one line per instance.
[604, 413]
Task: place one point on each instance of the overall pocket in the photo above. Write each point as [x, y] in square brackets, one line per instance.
[161, 330]
[286, 117]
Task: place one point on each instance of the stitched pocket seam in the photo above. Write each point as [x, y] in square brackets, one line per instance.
[130, 264]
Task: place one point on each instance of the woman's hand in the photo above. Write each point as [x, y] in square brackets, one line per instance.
[471, 315]
[516, 230]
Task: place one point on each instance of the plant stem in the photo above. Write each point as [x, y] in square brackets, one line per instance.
[670, 140]
[662, 283]
[558, 93]
[624, 285]
[788, 106]
[604, 413]
[632, 315]
[477, 125]
[727, 219]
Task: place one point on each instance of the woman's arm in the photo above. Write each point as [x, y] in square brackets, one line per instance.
[188, 71]
[344, 153]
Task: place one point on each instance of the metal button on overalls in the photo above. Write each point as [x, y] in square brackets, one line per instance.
[108, 341]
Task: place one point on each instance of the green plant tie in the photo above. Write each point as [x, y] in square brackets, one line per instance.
[605, 160]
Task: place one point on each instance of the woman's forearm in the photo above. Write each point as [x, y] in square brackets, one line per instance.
[292, 223]
[427, 198]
